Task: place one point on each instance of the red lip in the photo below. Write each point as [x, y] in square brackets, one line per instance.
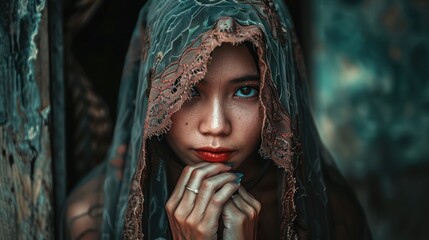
[217, 155]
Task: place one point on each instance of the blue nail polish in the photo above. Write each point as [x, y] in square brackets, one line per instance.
[239, 177]
[238, 180]
[230, 164]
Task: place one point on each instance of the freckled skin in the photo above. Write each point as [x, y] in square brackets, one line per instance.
[217, 117]
[221, 123]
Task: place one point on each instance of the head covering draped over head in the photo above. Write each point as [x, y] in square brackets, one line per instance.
[168, 55]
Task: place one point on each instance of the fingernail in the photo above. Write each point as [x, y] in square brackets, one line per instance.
[230, 164]
[239, 177]
[238, 180]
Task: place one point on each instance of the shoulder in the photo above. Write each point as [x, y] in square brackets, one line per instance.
[84, 210]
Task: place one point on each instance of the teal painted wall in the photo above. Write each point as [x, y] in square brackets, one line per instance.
[26, 184]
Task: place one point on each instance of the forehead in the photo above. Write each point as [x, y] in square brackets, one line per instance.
[231, 62]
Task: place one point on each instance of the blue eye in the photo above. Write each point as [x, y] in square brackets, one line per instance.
[246, 92]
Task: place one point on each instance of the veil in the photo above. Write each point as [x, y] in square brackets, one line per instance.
[168, 54]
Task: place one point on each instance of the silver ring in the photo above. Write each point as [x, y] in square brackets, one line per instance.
[194, 190]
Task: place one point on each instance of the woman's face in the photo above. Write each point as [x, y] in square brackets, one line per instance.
[222, 120]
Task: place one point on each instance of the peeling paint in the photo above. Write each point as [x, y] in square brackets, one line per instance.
[32, 132]
[26, 187]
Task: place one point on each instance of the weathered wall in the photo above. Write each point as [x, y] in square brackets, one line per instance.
[26, 186]
[371, 80]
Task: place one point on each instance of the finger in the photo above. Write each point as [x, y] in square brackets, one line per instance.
[250, 199]
[245, 207]
[217, 202]
[177, 193]
[208, 188]
[232, 218]
[239, 218]
[198, 175]
[187, 202]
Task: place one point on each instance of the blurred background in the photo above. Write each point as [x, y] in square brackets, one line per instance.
[370, 77]
[368, 62]
[368, 67]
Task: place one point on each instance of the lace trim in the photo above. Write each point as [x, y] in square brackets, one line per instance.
[170, 89]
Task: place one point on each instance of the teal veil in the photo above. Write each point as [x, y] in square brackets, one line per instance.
[168, 54]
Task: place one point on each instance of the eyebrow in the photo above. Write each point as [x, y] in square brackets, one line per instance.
[245, 78]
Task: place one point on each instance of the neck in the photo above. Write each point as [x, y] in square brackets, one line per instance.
[254, 170]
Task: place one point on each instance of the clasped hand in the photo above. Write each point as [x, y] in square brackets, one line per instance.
[195, 215]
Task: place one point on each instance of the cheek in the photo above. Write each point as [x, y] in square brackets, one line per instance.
[184, 124]
[249, 124]
[180, 125]
[180, 120]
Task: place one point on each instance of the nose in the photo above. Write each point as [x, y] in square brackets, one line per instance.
[215, 119]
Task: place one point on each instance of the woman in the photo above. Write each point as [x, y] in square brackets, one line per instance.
[214, 137]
